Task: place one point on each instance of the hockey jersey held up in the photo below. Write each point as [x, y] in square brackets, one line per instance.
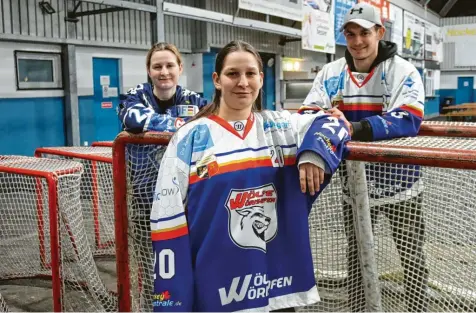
[139, 112]
[229, 221]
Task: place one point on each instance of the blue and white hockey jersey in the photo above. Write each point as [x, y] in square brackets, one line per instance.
[229, 222]
[391, 99]
[139, 112]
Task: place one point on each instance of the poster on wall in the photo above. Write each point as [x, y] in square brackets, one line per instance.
[413, 36]
[290, 9]
[318, 26]
[433, 43]
[382, 5]
[396, 17]
[341, 9]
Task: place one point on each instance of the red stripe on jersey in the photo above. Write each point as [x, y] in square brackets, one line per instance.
[289, 160]
[412, 110]
[377, 107]
[254, 163]
[172, 234]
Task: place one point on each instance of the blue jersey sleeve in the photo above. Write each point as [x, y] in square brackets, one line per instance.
[327, 136]
[405, 115]
[137, 113]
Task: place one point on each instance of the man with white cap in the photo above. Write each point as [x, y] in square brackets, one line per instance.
[381, 96]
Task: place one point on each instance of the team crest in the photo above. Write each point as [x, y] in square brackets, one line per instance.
[252, 218]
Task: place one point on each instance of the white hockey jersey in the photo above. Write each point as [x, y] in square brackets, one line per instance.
[391, 99]
[229, 222]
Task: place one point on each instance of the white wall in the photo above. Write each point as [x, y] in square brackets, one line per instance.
[8, 88]
[192, 76]
[132, 67]
[449, 80]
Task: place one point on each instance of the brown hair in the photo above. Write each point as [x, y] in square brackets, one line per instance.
[162, 46]
[233, 46]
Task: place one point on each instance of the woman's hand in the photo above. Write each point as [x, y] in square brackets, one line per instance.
[312, 176]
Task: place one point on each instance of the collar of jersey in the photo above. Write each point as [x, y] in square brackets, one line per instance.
[228, 127]
[360, 85]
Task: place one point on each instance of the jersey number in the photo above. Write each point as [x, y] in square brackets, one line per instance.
[164, 272]
[399, 114]
[138, 115]
[277, 156]
[331, 127]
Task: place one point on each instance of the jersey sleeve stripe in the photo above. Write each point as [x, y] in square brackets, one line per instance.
[167, 218]
[304, 108]
[171, 233]
[413, 110]
[169, 224]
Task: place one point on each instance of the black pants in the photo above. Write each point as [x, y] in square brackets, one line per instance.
[408, 232]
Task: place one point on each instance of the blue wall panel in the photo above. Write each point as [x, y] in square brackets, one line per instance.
[208, 68]
[87, 122]
[432, 106]
[30, 123]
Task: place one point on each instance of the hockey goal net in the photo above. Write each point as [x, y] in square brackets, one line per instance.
[413, 251]
[43, 238]
[96, 192]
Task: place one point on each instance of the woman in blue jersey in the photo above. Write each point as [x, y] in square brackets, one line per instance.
[232, 232]
[161, 106]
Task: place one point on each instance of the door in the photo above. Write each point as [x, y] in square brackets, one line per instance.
[464, 94]
[106, 98]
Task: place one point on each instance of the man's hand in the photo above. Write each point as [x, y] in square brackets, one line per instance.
[338, 113]
[312, 176]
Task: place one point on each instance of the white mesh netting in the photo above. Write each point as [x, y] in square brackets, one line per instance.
[96, 192]
[422, 219]
[31, 188]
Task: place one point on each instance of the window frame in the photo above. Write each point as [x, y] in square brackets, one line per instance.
[57, 61]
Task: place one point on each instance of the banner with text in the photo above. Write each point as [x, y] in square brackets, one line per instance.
[413, 36]
[318, 26]
[289, 9]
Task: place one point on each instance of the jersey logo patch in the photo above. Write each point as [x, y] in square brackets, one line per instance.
[208, 167]
[186, 110]
[238, 126]
[252, 217]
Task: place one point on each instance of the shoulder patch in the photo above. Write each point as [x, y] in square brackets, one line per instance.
[331, 85]
[198, 139]
[186, 110]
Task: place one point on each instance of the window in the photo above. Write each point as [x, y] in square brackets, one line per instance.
[38, 70]
[429, 83]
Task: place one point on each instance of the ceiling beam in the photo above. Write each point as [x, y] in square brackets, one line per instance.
[447, 7]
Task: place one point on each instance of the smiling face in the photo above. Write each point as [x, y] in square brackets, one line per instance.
[164, 70]
[363, 43]
[240, 82]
